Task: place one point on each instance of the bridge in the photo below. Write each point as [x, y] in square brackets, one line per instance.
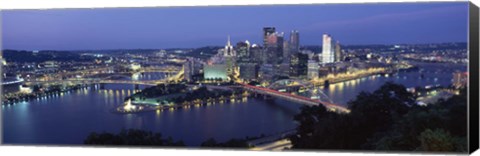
[296, 98]
[12, 82]
[111, 70]
[165, 69]
[175, 78]
[274, 142]
[99, 81]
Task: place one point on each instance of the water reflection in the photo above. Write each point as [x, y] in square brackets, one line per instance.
[68, 118]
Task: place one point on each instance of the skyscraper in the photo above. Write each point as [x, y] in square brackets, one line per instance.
[243, 50]
[280, 47]
[271, 49]
[256, 54]
[248, 70]
[294, 41]
[286, 52]
[460, 79]
[188, 68]
[266, 32]
[338, 52]
[312, 69]
[299, 65]
[228, 50]
[229, 57]
[328, 51]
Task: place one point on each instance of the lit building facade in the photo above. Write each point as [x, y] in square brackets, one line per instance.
[267, 72]
[286, 52]
[298, 65]
[267, 31]
[338, 53]
[188, 69]
[328, 49]
[230, 57]
[135, 66]
[280, 47]
[271, 49]
[248, 70]
[313, 69]
[257, 54]
[294, 41]
[243, 50]
[215, 71]
[460, 79]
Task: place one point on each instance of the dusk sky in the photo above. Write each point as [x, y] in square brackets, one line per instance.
[190, 27]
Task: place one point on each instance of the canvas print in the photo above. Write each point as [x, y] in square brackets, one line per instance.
[380, 77]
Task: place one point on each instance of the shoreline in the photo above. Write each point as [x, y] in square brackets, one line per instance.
[188, 104]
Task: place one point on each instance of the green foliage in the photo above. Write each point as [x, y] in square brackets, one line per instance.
[449, 115]
[436, 140]
[386, 119]
[42, 56]
[232, 143]
[131, 137]
[160, 90]
[202, 93]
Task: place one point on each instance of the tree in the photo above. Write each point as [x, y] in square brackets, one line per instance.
[386, 119]
[446, 115]
[436, 140]
[209, 143]
[131, 137]
[232, 143]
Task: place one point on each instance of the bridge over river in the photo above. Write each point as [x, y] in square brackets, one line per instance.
[296, 98]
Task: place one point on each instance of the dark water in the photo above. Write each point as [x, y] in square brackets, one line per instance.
[69, 118]
[434, 74]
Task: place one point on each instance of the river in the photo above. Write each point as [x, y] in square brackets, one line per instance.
[69, 118]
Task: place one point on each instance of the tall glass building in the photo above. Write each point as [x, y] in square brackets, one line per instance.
[328, 49]
[267, 31]
[294, 41]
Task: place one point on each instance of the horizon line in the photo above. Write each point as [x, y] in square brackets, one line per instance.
[3, 49]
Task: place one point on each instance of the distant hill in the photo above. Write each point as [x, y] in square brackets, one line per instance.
[42, 56]
[390, 47]
[204, 52]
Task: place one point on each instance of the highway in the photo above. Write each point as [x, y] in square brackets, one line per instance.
[296, 98]
[274, 146]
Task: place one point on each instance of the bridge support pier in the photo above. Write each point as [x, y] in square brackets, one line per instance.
[92, 86]
[326, 84]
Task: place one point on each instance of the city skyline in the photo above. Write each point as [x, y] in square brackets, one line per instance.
[276, 78]
[83, 29]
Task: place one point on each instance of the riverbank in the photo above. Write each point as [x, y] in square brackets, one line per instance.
[139, 107]
[14, 98]
[343, 77]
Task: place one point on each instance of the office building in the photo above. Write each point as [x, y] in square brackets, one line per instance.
[248, 70]
[460, 79]
[267, 31]
[313, 69]
[298, 65]
[267, 72]
[338, 53]
[294, 41]
[230, 57]
[257, 54]
[188, 69]
[215, 71]
[328, 49]
[243, 50]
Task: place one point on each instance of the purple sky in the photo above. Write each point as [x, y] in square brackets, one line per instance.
[183, 27]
